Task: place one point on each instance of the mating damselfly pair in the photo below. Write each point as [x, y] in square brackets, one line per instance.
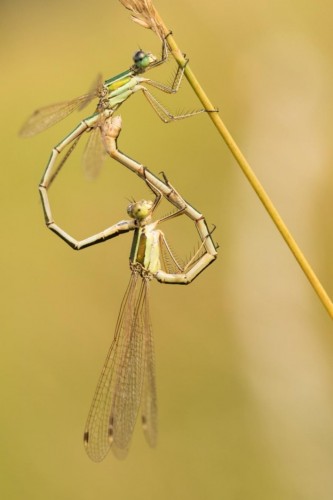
[127, 382]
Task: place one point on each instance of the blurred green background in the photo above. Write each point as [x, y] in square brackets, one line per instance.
[244, 354]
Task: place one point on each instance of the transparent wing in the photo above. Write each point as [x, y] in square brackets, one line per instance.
[94, 154]
[130, 374]
[44, 118]
[149, 398]
[47, 116]
[95, 90]
[116, 402]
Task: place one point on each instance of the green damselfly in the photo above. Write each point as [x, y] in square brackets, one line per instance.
[110, 94]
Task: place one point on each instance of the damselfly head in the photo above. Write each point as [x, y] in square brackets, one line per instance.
[142, 60]
[140, 210]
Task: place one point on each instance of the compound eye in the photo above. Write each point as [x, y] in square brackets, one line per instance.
[138, 56]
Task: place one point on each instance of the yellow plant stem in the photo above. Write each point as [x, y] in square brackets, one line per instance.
[252, 178]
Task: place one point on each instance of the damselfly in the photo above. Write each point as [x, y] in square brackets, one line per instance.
[111, 94]
[127, 382]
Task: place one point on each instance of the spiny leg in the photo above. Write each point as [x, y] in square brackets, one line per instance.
[204, 232]
[199, 260]
[196, 264]
[185, 278]
[164, 52]
[157, 193]
[164, 114]
[173, 89]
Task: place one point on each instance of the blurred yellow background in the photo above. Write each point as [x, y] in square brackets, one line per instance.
[245, 354]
